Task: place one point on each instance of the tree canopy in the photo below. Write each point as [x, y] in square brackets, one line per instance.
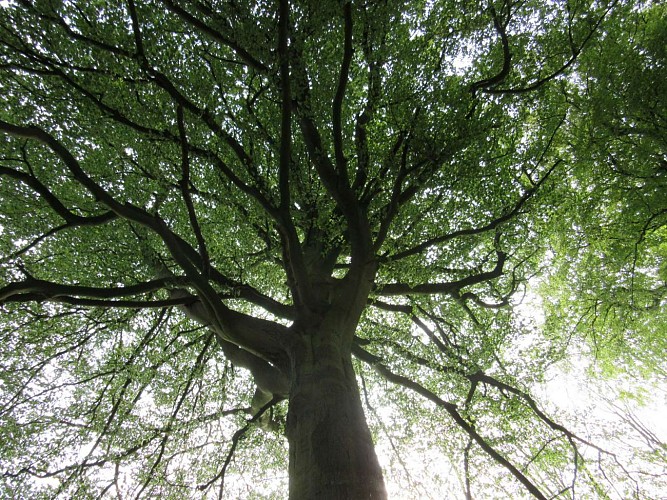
[224, 223]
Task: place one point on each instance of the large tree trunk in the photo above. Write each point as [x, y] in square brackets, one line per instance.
[331, 454]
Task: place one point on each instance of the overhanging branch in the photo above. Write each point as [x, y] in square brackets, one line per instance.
[377, 365]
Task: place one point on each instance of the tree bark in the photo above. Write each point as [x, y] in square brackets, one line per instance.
[331, 453]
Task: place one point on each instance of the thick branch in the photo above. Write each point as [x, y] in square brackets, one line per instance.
[268, 377]
[340, 92]
[47, 289]
[491, 82]
[261, 337]
[285, 108]
[239, 290]
[451, 287]
[336, 185]
[84, 302]
[339, 189]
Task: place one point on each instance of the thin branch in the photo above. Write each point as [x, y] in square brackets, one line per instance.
[575, 54]
[372, 96]
[216, 35]
[391, 209]
[504, 302]
[168, 430]
[487, 379]
[414, 485]
[466, 468]
[490, 226]
[185, 190]
[118, 51]
[452, 410]
[235, 442]
[86, 221]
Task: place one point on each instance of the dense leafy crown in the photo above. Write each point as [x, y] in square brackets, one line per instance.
[256, 155]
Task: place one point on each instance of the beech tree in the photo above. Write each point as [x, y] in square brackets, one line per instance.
[245, 241]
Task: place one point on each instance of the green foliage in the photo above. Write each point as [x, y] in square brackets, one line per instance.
[610, 245]
[487, 150]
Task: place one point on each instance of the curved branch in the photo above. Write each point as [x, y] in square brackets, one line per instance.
[575, 54]
[269, 378]
[126, 210]
[490, 226]
[491, 82]
[451, 287]
[376, 363]
[52, 200]
[504, 302]
[527, 398]
[216, 35]
[253, 343]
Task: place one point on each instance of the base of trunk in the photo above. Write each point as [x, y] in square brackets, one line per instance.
[331, 453]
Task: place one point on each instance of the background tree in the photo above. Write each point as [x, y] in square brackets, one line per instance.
[232, 215]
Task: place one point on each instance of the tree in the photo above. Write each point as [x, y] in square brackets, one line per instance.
[322, 194]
